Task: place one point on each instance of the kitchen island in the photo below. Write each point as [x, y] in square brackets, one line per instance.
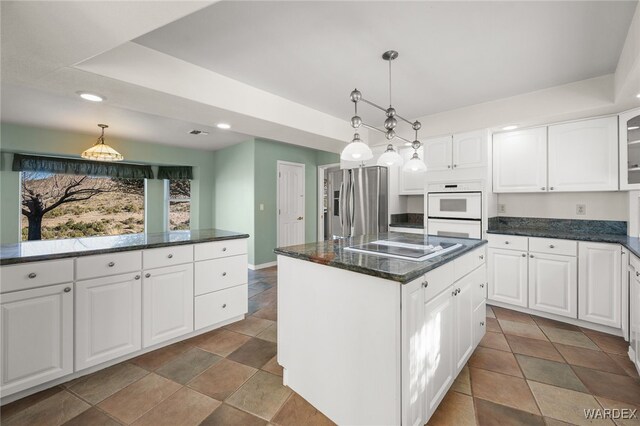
[370, 339]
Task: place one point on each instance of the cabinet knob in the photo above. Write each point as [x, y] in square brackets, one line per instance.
[224, 305]
[32, 275]
[147, 275]
[531, 256]
[224, 274]
[224, 249]
[459, 291]
[111, 264]
[506, 242]
[543, 188]
[453, 293]
[482, 323]
[137, 277]
[455, 165]
[552, 246]
[448, 166]
[551, 188]
[170, 255]
[67, 289]
[524, 255]
[481, 256]
[425, 284]
[482, 285]
[637, 274]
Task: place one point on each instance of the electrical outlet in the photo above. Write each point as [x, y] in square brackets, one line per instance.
[581, 209]
[502, 208]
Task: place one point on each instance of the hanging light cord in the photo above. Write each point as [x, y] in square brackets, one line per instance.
[390, 103]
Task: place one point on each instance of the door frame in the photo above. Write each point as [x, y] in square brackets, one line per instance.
[320, 192]
[304, 189]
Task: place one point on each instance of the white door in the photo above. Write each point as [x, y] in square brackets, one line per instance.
[583, 156]
[508, 276]
[438, 154]
[413, 379]
[439, 348]
[167, 303]
[520, 161]
[108, 318]
[553, 284]
[463, 320]
[469, 150]
[290, 204]
[411, 182]
[599, 283]
[36, 337]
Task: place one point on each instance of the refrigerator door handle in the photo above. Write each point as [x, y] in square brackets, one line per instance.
[341, 205]
[352, 207]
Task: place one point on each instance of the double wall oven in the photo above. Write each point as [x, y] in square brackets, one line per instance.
[455, 210]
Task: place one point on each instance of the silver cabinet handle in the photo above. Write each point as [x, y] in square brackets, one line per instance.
[552, 246]
[506, 242]
[67, 289]
[425, 284]
[448, 166]
[481, 256]
[32, 275]
[137, 277]
[224, 305]
[543, 188]
[531, 256]
[224, 274]
[170, 255]
[482, 323]
[524, 255]
[459, 291]
[455, 165]
[482, 285]
[224, 249]
[637, 274]
[551, 188]
[147, 275]
[453, 293]
[111, 264]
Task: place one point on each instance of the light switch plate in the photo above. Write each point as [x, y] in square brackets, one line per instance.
[261, 207]
[581, 209]
[502, 208]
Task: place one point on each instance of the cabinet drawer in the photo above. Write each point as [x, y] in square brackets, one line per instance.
[222, 305]
[216, 274]
[167, 256]
[467, 263]
[511, 242]
[108, 264]
[438, 280]
[35, 274]
[218, 249]
[553, 246]
[406, 230]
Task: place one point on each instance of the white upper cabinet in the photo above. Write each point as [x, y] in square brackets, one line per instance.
[583, 156]
[469, 150]
[438, 153]
[629, 123]
[520, 161]
[410, 183]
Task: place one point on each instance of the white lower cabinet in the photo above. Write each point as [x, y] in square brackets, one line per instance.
[36, 336]
[108, 318]
[414, 339]
[553, 284]
[167, 303]
[599, 284]
[508, 276]
[634, 315]
[464, 321]
[479, 322]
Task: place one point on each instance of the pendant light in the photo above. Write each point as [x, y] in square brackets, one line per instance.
[101, 151]
[390, 158]
[356, 150]
[415, 164]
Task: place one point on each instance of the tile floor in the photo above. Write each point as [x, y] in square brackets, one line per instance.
[527, 371]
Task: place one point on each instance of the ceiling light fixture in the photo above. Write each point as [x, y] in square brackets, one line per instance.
[512, 127]
[101, 151]
[390, 122]
[638, 96]
[390, 157]
[633, 128]
[356, 150]
[223, 126]
[91, 97]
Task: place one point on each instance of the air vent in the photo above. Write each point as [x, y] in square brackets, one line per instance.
[198, 132]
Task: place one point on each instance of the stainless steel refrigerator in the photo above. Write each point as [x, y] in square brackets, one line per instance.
[358, 202]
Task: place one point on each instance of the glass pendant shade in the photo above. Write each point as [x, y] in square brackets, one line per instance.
[101, 151]
[415, 165]
[390, 158]
[356, 150]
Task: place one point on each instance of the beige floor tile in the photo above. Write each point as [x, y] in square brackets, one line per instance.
[222, 342]
[502, 389]
[622, 407]
[495, 341]
[250, 326]
[136, 399]
[590, 358]
[564, 404]
[273, 367]
[510, 315]
[490, 313]
[262, 395]
[462, 383]
[92, 417]
[13, 408]
[492, 325]
[227, 415]
[568, 337]
[186, 407]
[104, 383]
[609, 343]
[297, 411]
[550, 372]
[521, 329]
[455, 409]
[269, 312]
[495, 360]
[156, 359]
[222, 379]
[255, 353]
[270, 333]
[52, 411]
[608, 385]
[555, 324]
[188, 365]
[492, 414]
[533, 347]
[625, 363]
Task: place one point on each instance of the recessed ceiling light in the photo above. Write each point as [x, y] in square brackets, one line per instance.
[633, 128]
[91, 97]
[224, 126]
[638, 95]
[509, 127]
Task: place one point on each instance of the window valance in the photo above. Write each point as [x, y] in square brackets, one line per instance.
[175, 172]
[70, 166]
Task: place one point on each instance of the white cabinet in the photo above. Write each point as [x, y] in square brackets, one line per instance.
[583, 155]
[410, 183]
[463, 301]
[413, 339]
[167, 303]
[629, 132]
[108, 318]
[599, 283]
[553, 284]
[634, 313]
[520, 161]
[36, 336]
[439, 153]
[469, 150]
[508, 276]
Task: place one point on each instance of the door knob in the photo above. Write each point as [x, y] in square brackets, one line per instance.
[300, 217]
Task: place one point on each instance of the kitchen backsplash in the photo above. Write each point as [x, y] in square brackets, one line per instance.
[414, 218]
[614, 227]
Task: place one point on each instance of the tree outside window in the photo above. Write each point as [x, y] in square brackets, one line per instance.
[179, 198]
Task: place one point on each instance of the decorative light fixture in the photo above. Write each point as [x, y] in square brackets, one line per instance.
[91, 97]
[390, 157]
[390, 122]
[356, 150]
[223, 126]
[101, 151]
[415, 164]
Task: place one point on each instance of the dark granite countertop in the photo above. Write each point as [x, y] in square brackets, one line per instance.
[332, 253]
[31, 251]
[407, 225]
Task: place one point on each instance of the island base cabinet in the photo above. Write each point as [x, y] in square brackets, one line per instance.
[508, 276]
[36, 337]
[464, 322]
[108, 319]
[479, 323]
[167, 303]
[553, 284]
[600, 283]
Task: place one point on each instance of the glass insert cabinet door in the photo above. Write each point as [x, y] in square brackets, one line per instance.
[630, 149]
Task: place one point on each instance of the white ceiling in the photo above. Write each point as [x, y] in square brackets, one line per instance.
[452, 54]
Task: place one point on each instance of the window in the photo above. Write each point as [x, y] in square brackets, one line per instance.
[69, 206]
[179, 208]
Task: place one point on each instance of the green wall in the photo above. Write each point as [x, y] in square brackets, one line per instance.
[33, 140]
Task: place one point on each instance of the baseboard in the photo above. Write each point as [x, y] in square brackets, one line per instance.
[262, 265]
